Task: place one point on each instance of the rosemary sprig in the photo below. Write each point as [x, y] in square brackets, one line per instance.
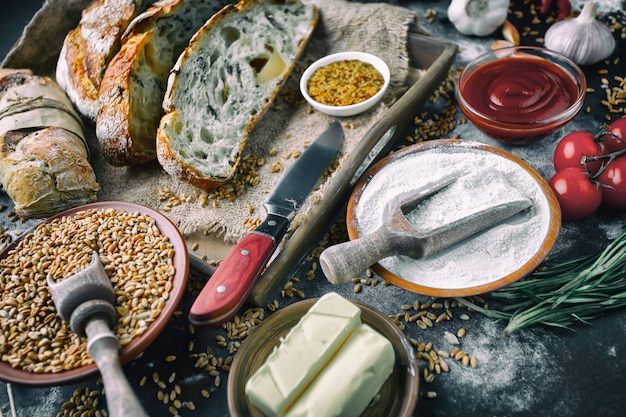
[562, 294]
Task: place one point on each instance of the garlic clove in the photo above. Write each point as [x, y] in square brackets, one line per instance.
[510, 33]
[583, 39]
[501, 43]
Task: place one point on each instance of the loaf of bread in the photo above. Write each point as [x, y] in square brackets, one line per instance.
[134, 83]
[88, 49]
[43, 152]
[224, 82]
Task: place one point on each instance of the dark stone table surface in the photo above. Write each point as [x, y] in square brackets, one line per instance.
[536, 371]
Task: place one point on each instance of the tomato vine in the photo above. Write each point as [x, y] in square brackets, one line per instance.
[591, 171]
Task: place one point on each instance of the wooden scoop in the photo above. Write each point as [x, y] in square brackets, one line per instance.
[397, 236]
[86, 301]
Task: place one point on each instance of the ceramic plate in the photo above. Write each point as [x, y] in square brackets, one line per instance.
[490, 259]
[398, 396]
[139, 343]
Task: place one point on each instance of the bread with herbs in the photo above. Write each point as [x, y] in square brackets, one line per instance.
[44, 164]
[224, 82]
[88, 49]
[134, 83]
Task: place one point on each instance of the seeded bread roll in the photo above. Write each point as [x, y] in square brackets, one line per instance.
[88, 48]
[43, 153]
[224, 82]
[133, 86]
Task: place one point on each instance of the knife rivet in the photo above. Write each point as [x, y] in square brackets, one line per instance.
[245, 252]
[271, 223]
[221, 288]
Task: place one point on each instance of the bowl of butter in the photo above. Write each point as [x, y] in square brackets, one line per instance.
[320, 355]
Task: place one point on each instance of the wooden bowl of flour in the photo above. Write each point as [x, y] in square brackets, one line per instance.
[492, 258]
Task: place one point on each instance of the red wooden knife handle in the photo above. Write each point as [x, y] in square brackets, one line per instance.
[233, 281]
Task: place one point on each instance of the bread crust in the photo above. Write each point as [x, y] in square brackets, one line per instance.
[113, 123]
[126, 129]
[46, 172]
[88, 48]
[171, 121]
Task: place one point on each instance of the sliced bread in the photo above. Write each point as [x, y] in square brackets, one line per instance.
[224, 82]
[88, 48]
[134, 83]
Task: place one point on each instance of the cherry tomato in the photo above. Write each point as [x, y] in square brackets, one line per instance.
[618, 128]
[578, 197]
[613, 184]
[570, 150]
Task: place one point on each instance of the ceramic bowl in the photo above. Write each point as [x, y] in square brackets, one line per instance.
[538, 114]
[398, 395]
[139, 343]
[484, 262]
[353, 109]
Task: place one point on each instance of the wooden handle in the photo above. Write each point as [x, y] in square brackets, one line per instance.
[342, 262]
[232, 281]
[103, 347]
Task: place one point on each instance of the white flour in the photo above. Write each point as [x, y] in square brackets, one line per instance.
[470, 194]
[479, 260]
[507, 373]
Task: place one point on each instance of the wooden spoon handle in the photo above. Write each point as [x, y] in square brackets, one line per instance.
[342, 262]
[103, 347]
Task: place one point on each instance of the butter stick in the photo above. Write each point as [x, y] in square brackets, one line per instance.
[346, 386]
[306, 349]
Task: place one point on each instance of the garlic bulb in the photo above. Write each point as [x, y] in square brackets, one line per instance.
[477, 17]
[584, 39]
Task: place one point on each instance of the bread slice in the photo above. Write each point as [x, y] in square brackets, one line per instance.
[88, 48]
[224, 82]
[133, 86]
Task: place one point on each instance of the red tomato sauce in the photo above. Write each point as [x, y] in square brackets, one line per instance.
[520, 89]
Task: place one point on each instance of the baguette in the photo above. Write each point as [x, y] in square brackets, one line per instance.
[224, 82]
[88, 49]
[43, 152]
[134, 83]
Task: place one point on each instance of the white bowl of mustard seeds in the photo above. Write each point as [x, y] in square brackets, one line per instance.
[345, 83]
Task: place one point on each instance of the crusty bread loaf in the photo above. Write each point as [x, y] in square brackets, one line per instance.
[88, 48]
[43, 153]
[134, 83]
[224, 82]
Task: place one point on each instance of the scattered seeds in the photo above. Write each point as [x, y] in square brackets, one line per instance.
[451, 338]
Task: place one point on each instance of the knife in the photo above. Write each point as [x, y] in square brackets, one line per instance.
[233, 281]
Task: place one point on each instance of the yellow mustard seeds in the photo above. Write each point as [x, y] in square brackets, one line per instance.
[344, 83]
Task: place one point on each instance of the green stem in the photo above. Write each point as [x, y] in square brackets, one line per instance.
[602, 132]
[562, 294]
[494, 314]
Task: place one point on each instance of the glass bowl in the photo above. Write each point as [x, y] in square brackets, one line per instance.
[520, 95]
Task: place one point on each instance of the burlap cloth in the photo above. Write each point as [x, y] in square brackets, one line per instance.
[377, 28]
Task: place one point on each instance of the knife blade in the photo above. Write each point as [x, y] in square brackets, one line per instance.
[231, 284]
